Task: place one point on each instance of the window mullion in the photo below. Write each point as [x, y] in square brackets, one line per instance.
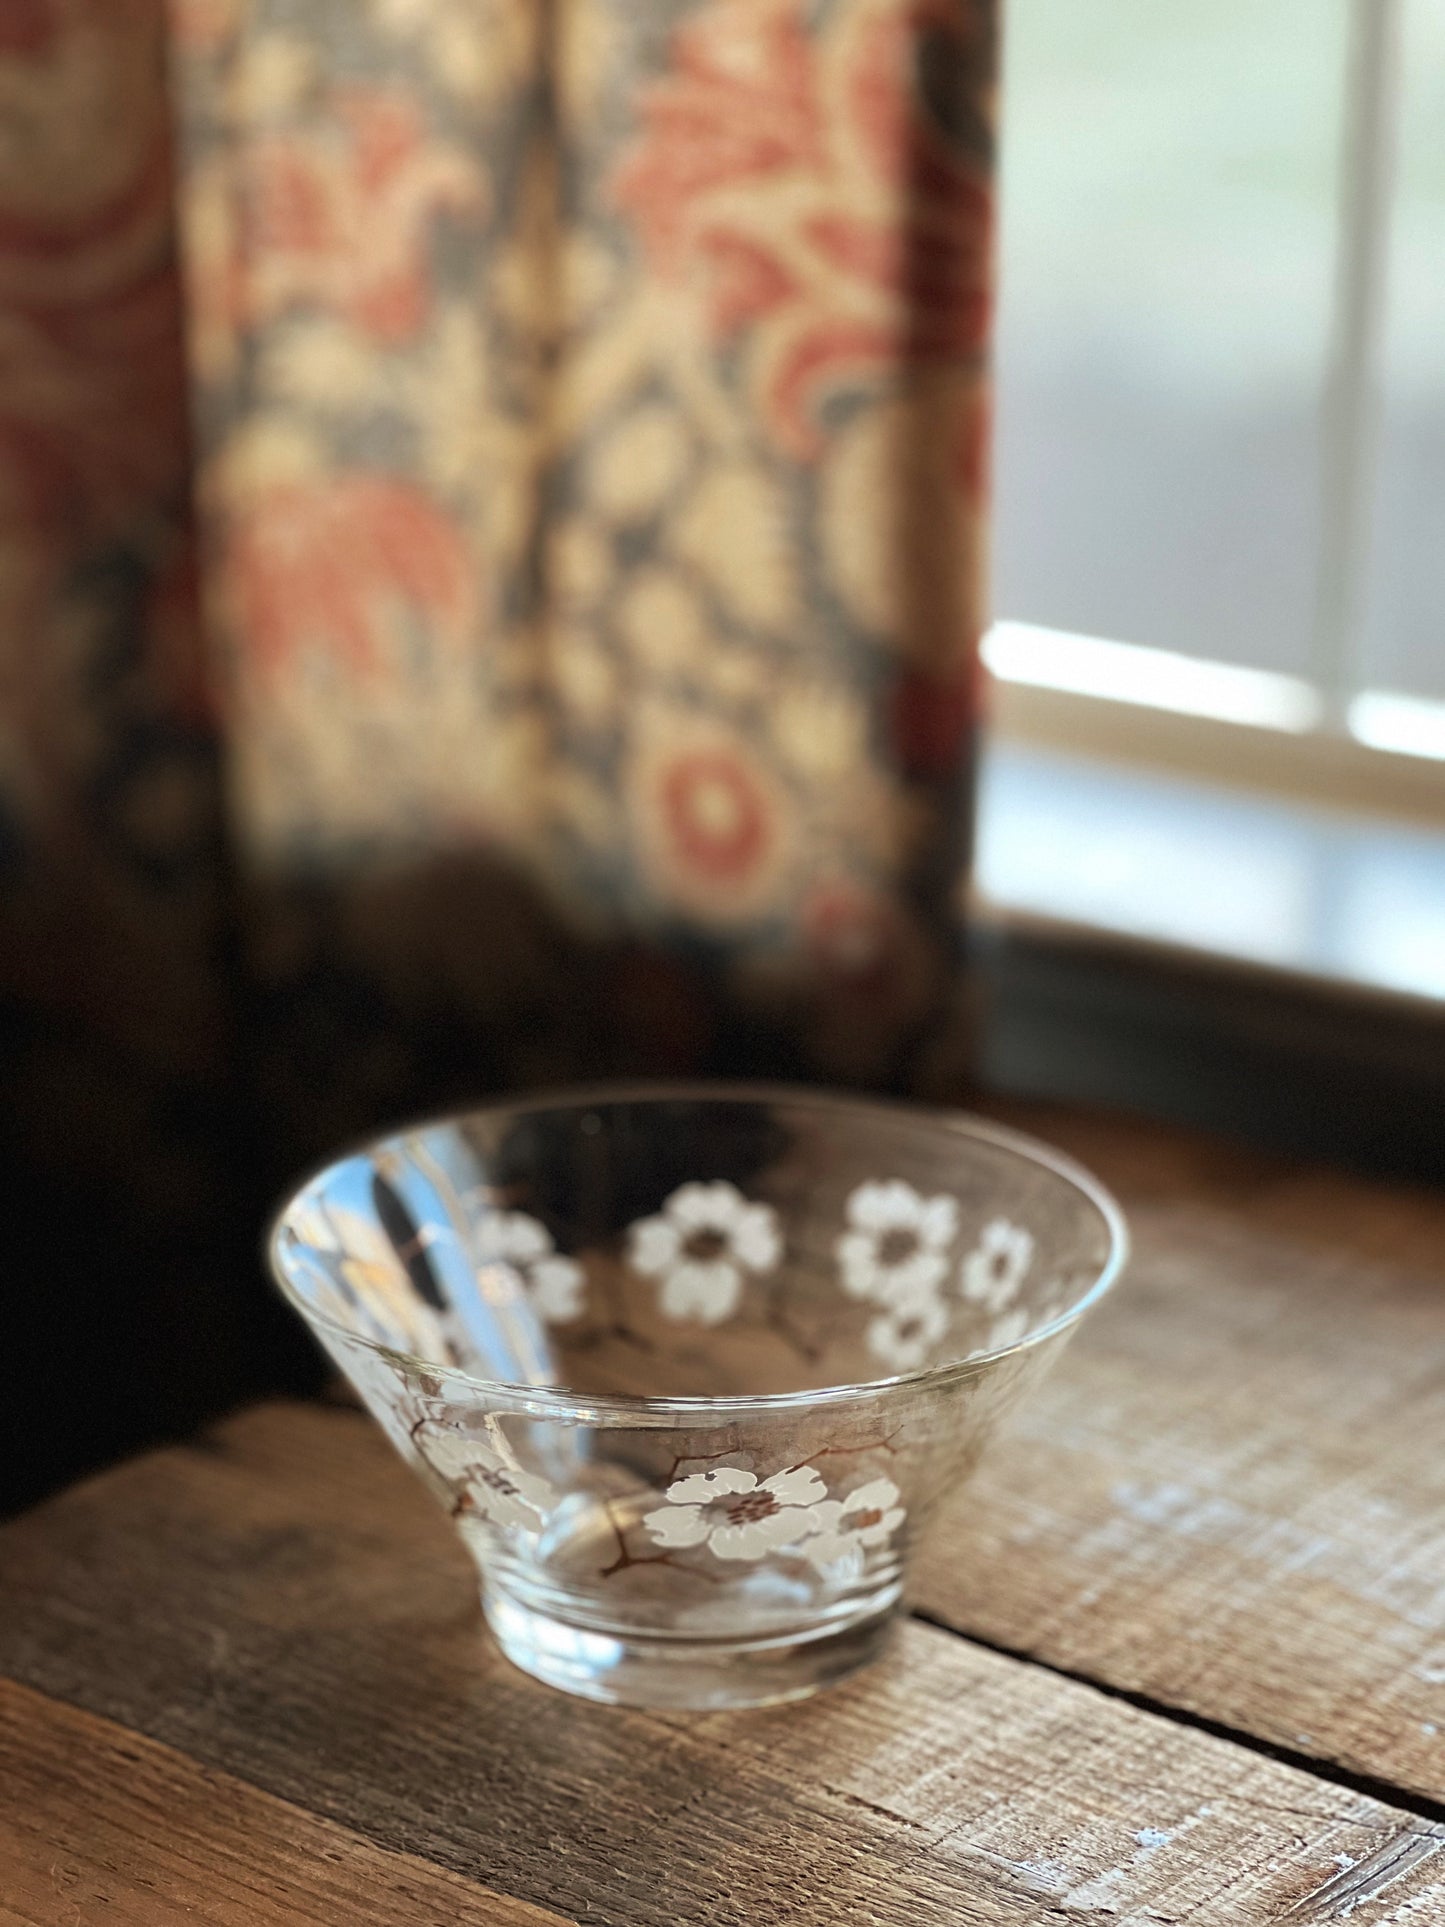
[1352, 382]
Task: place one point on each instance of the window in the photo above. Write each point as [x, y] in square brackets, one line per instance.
[1221, 451]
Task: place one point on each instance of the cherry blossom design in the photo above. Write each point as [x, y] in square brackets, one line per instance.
[846, 1530]
[736, 1516]
[904, 1335]
[701, 1245]
[523, 1251]
[998, 1264]
[482, 1469]
[895, 1250]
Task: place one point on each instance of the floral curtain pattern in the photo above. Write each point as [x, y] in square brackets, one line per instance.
[594, 422]
[590, 411]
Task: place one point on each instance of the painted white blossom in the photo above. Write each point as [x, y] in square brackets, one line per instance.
[845, 1530]
[700, 1245]
[998, 1264]
[483, 1468]
[903, 1336]
[896, 1246]
[737, 1516]
[523, 1251]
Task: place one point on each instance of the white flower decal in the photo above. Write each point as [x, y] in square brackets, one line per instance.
[845, 1531]
[485, 1467]
[904, 1335]
[998, 1264]
[737, 1517]
[895, 1250]
[522, 1249]
[700, 1245]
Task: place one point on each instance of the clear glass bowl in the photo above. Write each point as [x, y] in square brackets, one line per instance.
[691, 1369]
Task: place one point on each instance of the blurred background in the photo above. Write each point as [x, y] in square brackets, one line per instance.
[573, 667]
[1200, 257]
[1215, 782]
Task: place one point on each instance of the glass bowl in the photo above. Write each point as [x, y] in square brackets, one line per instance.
[691, 1368]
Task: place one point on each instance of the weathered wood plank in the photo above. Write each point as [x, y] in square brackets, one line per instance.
[97, 1822]
[283, 1604]
[1231, 1496]
[1402, 1876]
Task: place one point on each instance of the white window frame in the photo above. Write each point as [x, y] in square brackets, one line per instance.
[1183, 716]
[1330, 739]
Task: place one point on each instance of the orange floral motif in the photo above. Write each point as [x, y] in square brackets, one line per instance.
[337, 216]
[740, 104]
[712, 821]
[345, 566]
[798, 179]
[689, 631]
[715, 814]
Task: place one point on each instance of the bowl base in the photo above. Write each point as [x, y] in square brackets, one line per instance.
[627, 1668]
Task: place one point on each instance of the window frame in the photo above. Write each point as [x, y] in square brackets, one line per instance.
[1332, 739]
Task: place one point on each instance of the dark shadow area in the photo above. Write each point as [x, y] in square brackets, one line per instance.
[407, 990]
[1306, 1070]
[117, 1338]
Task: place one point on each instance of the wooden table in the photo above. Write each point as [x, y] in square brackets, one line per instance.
[1180, 1655]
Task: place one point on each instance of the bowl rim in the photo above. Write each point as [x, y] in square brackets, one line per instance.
[559, 1401]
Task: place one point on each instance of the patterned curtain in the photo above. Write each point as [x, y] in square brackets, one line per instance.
[591, 420]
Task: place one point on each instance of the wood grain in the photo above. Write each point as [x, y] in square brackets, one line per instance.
[282, 1604]
[1231, 1496]
[97, 1823]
